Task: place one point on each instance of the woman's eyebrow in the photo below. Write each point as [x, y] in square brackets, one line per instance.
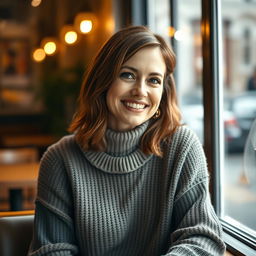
[136, 71]
[131, 68]
[156, 74]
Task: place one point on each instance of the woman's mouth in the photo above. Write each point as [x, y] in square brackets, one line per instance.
[134, 105]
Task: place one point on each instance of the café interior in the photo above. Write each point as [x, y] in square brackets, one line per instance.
[45, 49]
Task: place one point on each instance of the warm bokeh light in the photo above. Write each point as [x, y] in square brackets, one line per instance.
[110, 25]
[36, 3]
[171, 31]
[86, 26]
[70, 37]
[39, 55]
[50, 48]
[85, 22]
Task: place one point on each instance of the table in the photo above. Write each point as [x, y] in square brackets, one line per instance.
[28, 140]
[16, 177]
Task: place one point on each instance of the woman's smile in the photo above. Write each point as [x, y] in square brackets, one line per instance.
[136, 106]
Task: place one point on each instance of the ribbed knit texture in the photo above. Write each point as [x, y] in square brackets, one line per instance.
[124, 203]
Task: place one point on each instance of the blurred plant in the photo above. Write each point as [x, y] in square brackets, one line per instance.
[59, 93]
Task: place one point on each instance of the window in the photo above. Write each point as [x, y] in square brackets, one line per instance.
[238, 193]
[159, 16]
[188, 48]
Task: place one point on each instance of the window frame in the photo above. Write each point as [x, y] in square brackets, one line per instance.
[237, 241]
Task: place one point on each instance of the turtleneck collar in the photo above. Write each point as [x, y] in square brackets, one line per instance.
[122, 154]
[124, 143]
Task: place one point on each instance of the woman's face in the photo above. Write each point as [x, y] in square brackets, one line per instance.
[135, 95]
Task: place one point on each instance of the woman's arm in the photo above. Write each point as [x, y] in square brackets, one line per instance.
[53, 226]
[197, 230]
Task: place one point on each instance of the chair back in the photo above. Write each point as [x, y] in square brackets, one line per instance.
[18, 155]
[15, 235]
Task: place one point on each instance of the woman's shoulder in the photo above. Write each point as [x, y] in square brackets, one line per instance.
[184, 134]
[64, 145]
[65, 141]
[182, 141]
[185, 150]
[54, 166]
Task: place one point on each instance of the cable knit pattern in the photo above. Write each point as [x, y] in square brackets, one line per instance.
[124, 203]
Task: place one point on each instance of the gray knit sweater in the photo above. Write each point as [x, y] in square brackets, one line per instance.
[124, 203]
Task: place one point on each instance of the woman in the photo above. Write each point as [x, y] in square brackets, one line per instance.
[131, 180]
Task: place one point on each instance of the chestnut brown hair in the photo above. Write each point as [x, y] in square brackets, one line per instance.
[90, 120]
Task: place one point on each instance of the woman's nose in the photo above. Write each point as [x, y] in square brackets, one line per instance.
[139, 89]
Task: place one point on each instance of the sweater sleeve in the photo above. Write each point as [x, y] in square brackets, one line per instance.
[54, 233]
[197, 230]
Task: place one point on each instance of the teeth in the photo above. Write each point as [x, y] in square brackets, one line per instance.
[134, 105]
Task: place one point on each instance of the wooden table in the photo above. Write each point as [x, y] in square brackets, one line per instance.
[16, 177]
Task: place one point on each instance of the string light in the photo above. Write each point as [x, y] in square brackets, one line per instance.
[85, 26]
[36, 3]
[85, 22]
[70, 37]
[39, 55]
[49, 44]
[50, 48]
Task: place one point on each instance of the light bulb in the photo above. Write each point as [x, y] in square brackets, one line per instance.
[39, 55]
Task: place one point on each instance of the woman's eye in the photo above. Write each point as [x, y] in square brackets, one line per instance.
[155, 81]
[127, 75]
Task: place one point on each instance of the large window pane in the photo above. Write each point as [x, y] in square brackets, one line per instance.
[188, 46]
[239, 175]
[159, 16]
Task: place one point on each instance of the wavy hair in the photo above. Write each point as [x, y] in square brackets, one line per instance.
[90, 120]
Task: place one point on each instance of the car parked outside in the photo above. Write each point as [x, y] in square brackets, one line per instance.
[193, 113]
[243, 106]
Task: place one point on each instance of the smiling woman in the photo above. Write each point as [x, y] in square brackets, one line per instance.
[92, 117]
[131, 180]
[135, 95]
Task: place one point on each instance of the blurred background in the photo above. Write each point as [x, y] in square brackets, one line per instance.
[46, 46]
